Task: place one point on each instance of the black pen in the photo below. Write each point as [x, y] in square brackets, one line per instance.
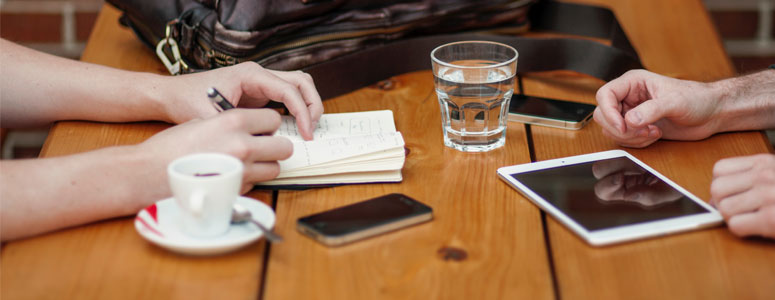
[220, 102]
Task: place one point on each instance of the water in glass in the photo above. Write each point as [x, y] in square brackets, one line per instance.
[474, 105]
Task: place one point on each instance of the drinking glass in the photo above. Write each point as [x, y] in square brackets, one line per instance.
[474, 82]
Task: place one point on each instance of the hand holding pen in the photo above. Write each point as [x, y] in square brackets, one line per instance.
[306, 119]
[251, 85]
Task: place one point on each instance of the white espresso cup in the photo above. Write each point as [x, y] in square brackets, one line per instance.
[205, 187]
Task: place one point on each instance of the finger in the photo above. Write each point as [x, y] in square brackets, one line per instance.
[649, 112]
[634, 138]
[603, 168]
[604, 122]
[610, 187]
[761, 222]
[269, 148]
[654, 132]
[261, 171]
[246, 187]
[739, 204]
[641, 195]
[254, 121]
[617, 96]
[277, 89]
[639, 142]
[623, 138]
[305, 83]
[609, 110]
[734, 165]
[643, 137]
[726, 186]
[650, 195]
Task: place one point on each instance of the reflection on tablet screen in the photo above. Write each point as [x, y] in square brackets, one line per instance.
[608, 193]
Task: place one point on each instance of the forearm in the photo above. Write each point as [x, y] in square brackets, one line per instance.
[747, 102]
[47, 194]
[38, 88]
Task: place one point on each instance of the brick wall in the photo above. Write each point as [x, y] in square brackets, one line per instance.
[59, 27]
[748, 30]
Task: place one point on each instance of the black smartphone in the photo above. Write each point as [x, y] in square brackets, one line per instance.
[364, 219]
[550, 112]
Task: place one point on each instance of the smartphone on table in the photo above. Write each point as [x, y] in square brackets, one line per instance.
[550, 112]
[364, 219]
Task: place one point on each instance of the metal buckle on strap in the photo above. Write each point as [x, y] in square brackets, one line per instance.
[177, 65]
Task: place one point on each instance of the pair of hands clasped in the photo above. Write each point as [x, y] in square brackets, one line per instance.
[640, 107]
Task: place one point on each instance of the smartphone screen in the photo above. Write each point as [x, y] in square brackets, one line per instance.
[549, 112]
[363, 219]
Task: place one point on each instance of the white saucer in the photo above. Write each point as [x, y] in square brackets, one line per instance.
[158, 224]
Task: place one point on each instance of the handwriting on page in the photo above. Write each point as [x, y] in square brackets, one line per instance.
[327, 150]
[341, 125]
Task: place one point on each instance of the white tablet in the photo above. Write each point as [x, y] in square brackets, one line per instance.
[610, 197]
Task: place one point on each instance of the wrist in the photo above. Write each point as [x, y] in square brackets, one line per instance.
[746, 102]
[144, 177]
[720, 95]
[155, 96]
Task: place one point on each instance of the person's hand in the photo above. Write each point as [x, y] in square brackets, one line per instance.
[246, 85]
[620, 180]
[641, 107]
[234, 132]
[743, 190]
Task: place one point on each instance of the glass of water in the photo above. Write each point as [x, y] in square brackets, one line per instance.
[474, 82]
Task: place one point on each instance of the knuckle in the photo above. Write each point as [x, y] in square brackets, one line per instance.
[253, 65]
[603, 91]
[285, 147]
[272, 118]
[306, 76]
[736, 229]
[630, 72]
[250, 67]
[634, 73]
[717, 169]
[240, 150]
[763, 159]
[726, 208]
[767, 194]
[769, 220]
[232, 120]
[272, 169]
[765, 176]
[288, 90]
[715, 189]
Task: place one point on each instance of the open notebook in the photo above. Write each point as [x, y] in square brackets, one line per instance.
[348, 148]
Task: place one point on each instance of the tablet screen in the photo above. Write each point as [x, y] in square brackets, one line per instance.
[608, 193]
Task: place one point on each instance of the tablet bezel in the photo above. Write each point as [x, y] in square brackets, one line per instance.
[620, 233]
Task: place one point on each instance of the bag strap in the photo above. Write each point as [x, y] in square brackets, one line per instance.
[352, 71]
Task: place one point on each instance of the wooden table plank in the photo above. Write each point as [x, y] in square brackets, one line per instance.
[707, 264]
[108, 259]
[498, 229]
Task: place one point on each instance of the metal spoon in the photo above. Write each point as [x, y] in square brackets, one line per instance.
[240, 214]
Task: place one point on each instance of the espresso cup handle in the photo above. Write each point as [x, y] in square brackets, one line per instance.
[196, 202]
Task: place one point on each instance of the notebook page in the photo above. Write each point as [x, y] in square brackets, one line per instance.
[341, 125]
[326, 150]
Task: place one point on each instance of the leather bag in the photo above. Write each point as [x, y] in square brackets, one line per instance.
[348, 44]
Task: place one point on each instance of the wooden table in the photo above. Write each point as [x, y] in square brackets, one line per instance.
[512, 250]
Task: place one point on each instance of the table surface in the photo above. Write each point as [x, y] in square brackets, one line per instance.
[512, 250]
